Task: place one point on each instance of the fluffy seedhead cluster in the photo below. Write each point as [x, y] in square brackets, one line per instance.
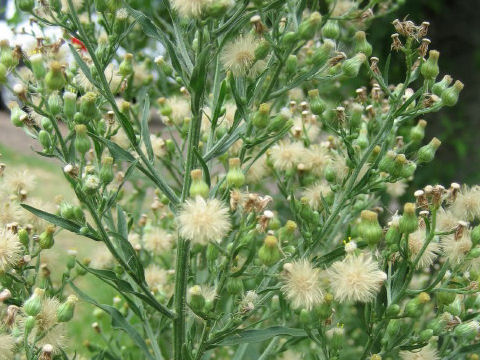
[236, 163]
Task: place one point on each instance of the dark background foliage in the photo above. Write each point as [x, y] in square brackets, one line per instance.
[455, 32]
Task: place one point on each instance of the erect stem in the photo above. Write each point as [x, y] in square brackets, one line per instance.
[181, 277]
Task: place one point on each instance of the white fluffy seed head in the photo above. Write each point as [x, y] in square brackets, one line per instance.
[202, 221]
[356, 278]
[301, 284]
[10, 249]
[238, 56]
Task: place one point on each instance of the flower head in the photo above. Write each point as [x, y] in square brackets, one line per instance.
[156, 277]
[301, 284]
[157, 240]
[456, 246]
[467, 204]
[315, 193]
[426, 353]
[286, 156]
[190, 8]
[238, 56]
[202, 220]
[356, 278]
[416, 240]
[10, 249]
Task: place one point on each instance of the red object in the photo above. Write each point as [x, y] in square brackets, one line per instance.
[75, 41]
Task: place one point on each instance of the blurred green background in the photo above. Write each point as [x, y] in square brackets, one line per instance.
[455, 32]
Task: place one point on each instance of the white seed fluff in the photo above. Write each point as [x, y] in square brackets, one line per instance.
[203, 220]
[356, 278]
[301, 284]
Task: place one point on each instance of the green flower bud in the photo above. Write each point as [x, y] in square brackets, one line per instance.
[198, 187]
[442, 85]
[445, 297]
[393, 328]
[336, 338]
[369, 229]
[235, 286]
[362, 140]
[126, 66]
[71, 259]
[38, 66]
[291, 64]
[425, 335]
[450, 95]
[91, 184]
[287, 233]
[33, 305]
[65, 311]
[79, 118]
[235, 175]
[317, 105]
[269, 252]
[393, 310]
[437, 325]
[106, 171]
[25, 5]
[467, 331]
[55, 79]
[387, 163]
[217, 8]
[289, 39]
[278, 122]
[429, 68]
[197, 300]
[474, 253]
[69, 104]
[417, 133]
[44, 139]
[121, 21]
[322, 53]
[29, 324]
[262, 50]
[7, 56]
[54, 104]
[351, 67]
[164, 66]
[308, 27]
[23, 237]
[46, 124]
[82, 142]
[3, 74]
[355, 118]
[78, 214]
[393, 235]
[331, 30]
[408, 223]
[475, 235]
[88, 106]
[361, 43]
[17, 115]
[261, 116]
[427, 153]
[45, 240]
[455, 308]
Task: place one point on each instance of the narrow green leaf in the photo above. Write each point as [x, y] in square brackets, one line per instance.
[259, 335]
[83, 66]
[58, 221]
[117, 152]
[203, 164]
